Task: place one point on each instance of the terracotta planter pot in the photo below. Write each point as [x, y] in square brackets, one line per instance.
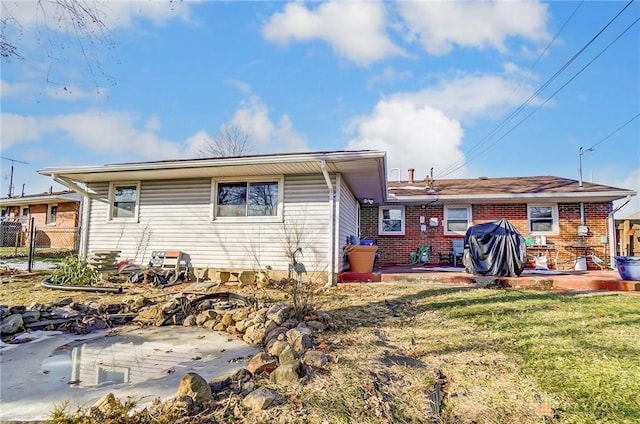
[361, 258]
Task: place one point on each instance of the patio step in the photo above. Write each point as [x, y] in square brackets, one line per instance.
[589, 280]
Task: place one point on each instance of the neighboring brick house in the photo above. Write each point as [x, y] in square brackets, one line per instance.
[55, 217]
[559, 219]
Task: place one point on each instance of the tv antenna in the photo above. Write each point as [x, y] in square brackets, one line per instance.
[10, 194]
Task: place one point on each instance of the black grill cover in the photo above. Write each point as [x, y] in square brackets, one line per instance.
[494, 248]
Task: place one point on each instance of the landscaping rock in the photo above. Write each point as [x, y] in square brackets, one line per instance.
[105, 404]
[288, 355]
[279, 313]
[194, 386]
[227, 319]
[286, 374]
[276, 347]
[153, 313]
[30, 316]
[261, 362]
[315, 358]
[189, 321]
[260, 399]
[219, 384]
[17, 310]
[254, 335]
[316, 325]
[11, 324]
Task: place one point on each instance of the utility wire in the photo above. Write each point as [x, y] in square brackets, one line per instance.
[504, 104]
[548, 98]
[614, 132]
[461, 162]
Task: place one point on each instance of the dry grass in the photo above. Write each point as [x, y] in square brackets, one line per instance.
[508, 357]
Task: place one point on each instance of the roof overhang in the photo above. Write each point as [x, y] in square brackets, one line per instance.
[39, 200]
[479, 199]
[364, 171]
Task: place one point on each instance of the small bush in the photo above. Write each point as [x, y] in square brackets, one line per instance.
[74, 272]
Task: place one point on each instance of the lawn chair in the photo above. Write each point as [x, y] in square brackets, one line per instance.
[457, 251]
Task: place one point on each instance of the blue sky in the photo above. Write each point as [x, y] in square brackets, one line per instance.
[468, 88]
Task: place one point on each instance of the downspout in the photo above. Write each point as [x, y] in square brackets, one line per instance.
[83, 246]
[612, 233]
[330, 250]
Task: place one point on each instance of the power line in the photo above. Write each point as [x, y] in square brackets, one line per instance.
[615, 131]
[504, 104]
[548, 98]
[462, 161]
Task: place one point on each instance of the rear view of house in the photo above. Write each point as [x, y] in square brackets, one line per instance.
[241, 213]
[561, 219]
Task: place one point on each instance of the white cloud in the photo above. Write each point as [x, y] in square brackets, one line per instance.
[239, 85]
[8, 89]
[17, 128]
[253, 118]
[414, 136]
[468, 97]
[440, 26]
[114, 132]
[355, 30]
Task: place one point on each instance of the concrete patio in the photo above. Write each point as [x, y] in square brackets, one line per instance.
[608, 280]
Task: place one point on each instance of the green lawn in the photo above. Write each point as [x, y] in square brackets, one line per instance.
[39, 254]
[583, 351]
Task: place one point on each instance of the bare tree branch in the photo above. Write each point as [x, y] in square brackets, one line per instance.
[231, 141]
[69, 25]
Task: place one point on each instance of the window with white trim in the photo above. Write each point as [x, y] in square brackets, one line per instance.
[543, 219]
[457, 219]
[124, 199]
[391, 220]
[255, 198]
[52, 214]
[24, 215]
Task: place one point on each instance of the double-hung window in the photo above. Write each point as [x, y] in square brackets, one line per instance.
[24, 215]
[124, 199]
[259, 198]
[52, 214]
[457, 219]
[391, 220]
[543, 219]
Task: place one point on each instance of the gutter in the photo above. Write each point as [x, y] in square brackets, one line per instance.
[612, 232]
[331, 249]
[205, 163]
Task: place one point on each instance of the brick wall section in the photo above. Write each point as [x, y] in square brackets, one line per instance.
[63, 234]
[397, 249]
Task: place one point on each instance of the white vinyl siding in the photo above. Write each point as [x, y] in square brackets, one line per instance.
[349, 217]
[176, 215]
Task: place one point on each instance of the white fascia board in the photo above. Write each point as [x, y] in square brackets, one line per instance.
[505, 198]
[204, 163]
[37, 200]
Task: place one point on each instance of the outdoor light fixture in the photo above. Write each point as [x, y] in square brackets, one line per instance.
[367, 201]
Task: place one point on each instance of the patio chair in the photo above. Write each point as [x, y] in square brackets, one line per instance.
[457, 251]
